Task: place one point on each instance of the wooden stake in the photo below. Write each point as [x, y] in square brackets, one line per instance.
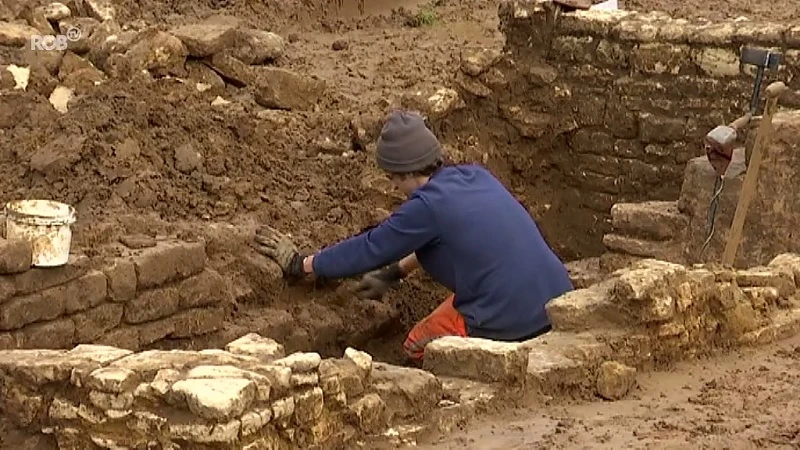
[750, 184]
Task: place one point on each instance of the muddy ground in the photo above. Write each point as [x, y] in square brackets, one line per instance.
[749, 399]
[112, 155]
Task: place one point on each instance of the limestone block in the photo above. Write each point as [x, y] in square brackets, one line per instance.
[207, 287]
[613, 54]
[304, 379]
[636, 30]
[15, 256]
[121, 280]
[63, 409]
[715, 34]
[218, 398]
[406, 391]
[749, 33]
[652, 220]
[614, 380]
[252, 344]
[283, 409]
[157, 52]
[789, 263]
[308, 405]
[112, 379]
[262, 382]
[146, 423]
[253, 421]
[621, 121]
[152, 304]
[149, 362]
[573, 49]
[253, 46]
[203, 433]
[476, 359]
[589, 22]
[638, 281]
[349, 376]
[300, 362]
[362, 360]
[168, 261]
[584, 309]
[108, 401]
[783, 281]
[717, 62]
[661, 128]
[369, 413]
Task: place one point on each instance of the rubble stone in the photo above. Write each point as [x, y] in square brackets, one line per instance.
[476, 359]
[252, 344]
[218, 398]
[16, 35]
[300, 362]
[282, 89]
[15, 256]
[614, 380]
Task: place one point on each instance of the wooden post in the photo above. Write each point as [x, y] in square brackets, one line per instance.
[750, 184]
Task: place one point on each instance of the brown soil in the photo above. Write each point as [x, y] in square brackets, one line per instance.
[743, 400]
[113, 155]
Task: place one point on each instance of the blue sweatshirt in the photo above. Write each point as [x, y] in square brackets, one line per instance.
[471, 235]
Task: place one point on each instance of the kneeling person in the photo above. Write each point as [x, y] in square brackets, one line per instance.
[463, 227]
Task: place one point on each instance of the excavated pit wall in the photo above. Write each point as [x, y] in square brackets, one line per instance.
[609, 106]
[251, 395]
[675, 230]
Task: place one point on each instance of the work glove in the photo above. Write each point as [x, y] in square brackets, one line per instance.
[280, 248]
[375, 284]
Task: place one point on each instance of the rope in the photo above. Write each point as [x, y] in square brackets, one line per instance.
[712, 214]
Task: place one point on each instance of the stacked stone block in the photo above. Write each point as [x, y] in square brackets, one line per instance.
[161, 291]
[250, 397]
[615, 103]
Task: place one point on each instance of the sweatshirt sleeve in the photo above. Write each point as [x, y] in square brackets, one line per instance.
[409, 228]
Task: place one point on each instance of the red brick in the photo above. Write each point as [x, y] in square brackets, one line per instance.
[168, 261]
[91, 324]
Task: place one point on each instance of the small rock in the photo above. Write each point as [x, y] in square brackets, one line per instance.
[293, 37]
[85, 25]
[15, 256]
[256, 46]
[112, 379]
[284, 89]
[614, 380]
[16, 35]
[60, 98]
[340, 44]
[205, 39]
[158, 52]
[232, 70]
[308, 405]
[475, 62]
[219, 101]
[187, 159]
[21, 76]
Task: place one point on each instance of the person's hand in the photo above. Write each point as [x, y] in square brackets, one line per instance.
[375, 284]
[280, 248]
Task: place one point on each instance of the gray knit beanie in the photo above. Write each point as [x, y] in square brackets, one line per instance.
[406, 144]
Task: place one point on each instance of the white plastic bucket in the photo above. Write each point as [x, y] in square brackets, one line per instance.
[46, 225]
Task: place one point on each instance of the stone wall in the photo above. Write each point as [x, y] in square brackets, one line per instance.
[251, 395]
[675, 230]
[593, 108]
[154, 290]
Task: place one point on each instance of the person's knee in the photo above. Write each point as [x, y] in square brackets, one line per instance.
[414, 349]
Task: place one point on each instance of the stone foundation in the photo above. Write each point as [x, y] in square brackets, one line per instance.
[156, 289]
[252, 396]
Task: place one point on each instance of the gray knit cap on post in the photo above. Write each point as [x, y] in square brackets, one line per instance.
[406, 144]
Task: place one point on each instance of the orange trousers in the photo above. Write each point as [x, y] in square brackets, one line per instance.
[445, 320]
